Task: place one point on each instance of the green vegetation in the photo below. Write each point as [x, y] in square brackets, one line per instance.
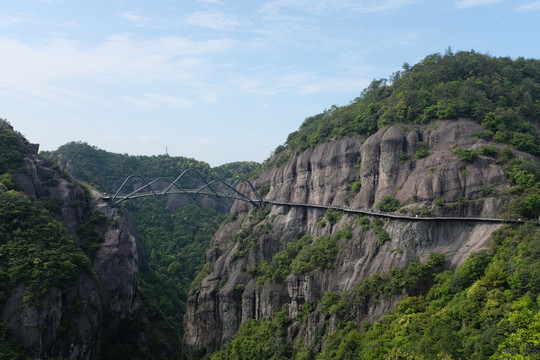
[11, 159]
[466, 155]
[333, 216]
[489, 150]
[388, 203]
[486, 309]
[35, 248]
[300, 257]
[108, 170]
[501, 94]
[382, 235]
[422, 151]
[259, 340]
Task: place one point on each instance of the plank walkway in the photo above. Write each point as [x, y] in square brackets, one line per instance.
[397, 216]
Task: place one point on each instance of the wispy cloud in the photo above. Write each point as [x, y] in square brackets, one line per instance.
[274, 81]
[134, 18]
[8, 21]
[152, 101]
[467, 4]
[207, 141]
[322, 7]
[139, 103]
[170, 100]
[533, 6]
[118, 59]
[213, 20]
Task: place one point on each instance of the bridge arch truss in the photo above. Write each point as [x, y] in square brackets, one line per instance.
[216, 187]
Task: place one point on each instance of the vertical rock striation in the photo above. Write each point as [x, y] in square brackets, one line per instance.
[386, 164]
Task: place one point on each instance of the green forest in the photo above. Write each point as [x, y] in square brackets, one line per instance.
[486, 309]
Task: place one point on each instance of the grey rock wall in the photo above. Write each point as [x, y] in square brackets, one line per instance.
[229, 295]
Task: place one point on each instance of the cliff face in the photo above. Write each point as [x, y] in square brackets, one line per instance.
[387, 163]
[71, 321]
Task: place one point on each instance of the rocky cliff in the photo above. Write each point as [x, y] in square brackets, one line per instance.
[415, 165]
[71, 321]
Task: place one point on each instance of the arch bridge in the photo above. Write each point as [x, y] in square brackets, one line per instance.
[217, 187]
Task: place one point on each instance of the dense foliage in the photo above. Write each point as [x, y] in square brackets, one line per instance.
[501, 94]
[12, 154]
[36, 250]
[35, 247]
[176, 242]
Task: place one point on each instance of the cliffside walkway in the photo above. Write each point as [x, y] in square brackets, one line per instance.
[221, 188]
[397, 216]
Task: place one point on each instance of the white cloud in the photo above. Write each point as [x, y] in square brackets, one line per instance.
[38, 69]
[207, 141]
[467, 4]
[213, 20]
[533, 6]
[134, 18]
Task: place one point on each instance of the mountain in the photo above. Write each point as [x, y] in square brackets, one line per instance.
[403, 225]
[84, 280]
[68, 261]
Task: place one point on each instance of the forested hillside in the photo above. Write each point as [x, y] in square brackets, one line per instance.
[501, 94]
[487, 308]
[176, 232]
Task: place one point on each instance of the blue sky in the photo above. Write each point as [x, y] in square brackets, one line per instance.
[220, 80]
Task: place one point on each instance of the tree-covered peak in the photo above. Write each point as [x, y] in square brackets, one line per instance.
[500, 93]
[108, 170]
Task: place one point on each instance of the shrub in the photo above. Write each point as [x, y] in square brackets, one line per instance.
[332, 216]
[421, 153]
[489, 150]
[388, 204]
[466, 155]
[264, 190]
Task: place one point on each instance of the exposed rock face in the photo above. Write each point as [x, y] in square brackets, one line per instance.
[229, 295]
[53, 326]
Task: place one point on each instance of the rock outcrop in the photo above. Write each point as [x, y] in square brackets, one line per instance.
[70, 322]
[387, 164]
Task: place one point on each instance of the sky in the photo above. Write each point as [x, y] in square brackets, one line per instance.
[218, 80]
